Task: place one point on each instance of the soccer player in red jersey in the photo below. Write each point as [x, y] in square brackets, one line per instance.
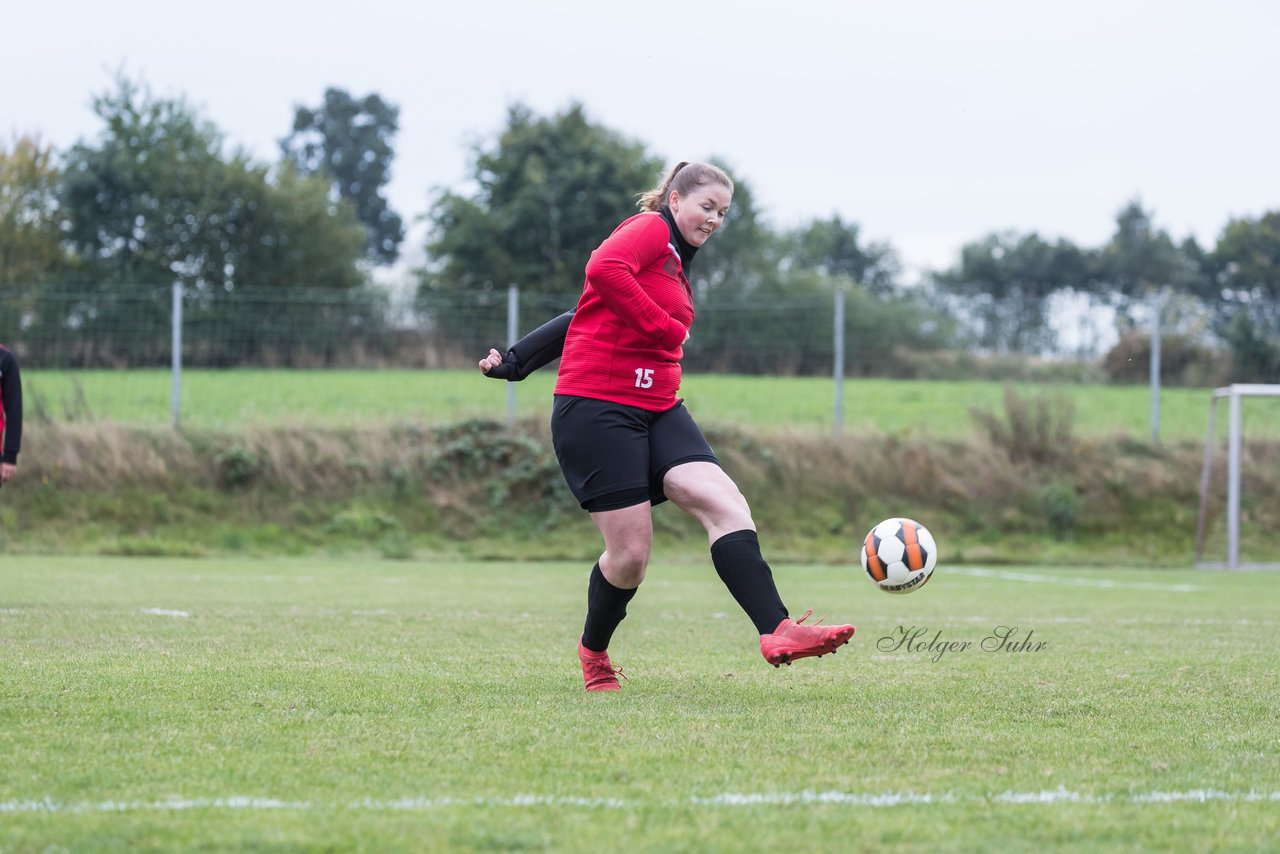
[10, 414]
[626, 442]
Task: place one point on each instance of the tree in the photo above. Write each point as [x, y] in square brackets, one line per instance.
[152, 201]
[1141, 260]
[1244, 282]
[349, 142]
[549, 191]
[31, 250]
[1003, 284]
[136, 201]
[765, 300]
[834, 248]
[282, 229]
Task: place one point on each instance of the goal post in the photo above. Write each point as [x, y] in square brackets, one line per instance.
[1234, 394]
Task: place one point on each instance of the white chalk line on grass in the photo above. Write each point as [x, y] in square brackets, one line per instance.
[1036, 578]
[1120, 621]
[871, 800]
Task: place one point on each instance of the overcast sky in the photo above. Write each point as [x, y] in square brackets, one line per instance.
[927, 122]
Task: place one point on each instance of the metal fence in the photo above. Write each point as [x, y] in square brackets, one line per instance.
[839, 335]
[180, 328]
[59, 327]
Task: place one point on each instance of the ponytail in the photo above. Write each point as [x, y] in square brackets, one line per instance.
[684, 177]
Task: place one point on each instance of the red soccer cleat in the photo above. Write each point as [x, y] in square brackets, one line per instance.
[597, 671]
[790, 640]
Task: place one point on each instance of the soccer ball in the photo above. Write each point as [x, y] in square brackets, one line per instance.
[899, 555]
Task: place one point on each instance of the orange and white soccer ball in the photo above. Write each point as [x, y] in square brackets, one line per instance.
[899, 555]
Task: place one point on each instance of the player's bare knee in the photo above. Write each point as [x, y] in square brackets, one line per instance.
[730, 504]
[627, 560]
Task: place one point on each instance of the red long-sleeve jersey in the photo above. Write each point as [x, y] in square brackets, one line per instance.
[626, 338]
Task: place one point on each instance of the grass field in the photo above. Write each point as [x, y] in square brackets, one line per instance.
[366, 705]
[232, 398]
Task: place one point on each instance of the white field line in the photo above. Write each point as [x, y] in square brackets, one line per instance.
[729, 799]
[949, 620]
[1036, 578]
[1025, 620]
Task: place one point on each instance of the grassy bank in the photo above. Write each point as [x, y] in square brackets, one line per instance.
[233, 399]
[1020, 489]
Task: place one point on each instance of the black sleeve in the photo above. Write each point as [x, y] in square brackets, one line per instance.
[11, 397]
[539, 347]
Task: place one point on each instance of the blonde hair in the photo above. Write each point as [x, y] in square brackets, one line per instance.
[684, 178]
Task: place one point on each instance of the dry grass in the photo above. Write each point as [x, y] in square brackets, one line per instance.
[1029, 490]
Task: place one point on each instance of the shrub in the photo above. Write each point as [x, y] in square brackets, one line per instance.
[361, 523]
[1037, 431]
[1059, 505]
[237, 466]
[1182, 361]
[507, 465]
[1013, 367]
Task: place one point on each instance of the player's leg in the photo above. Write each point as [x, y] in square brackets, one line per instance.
[709, 495]
[705, 492]
[603, 452]
[694, 481]
[692, 478]
[628, 542]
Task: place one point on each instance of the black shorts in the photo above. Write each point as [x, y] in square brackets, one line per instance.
[615, 456]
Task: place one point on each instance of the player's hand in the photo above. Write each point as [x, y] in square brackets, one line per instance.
[7, 472]
[490, 361]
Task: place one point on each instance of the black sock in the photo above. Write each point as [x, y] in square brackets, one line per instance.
[606, 606]
[743, 570]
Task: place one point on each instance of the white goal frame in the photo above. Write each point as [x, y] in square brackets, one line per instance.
[1233, 393]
